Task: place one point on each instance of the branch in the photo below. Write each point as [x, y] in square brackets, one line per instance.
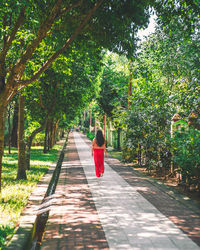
[60, 51]
[41, 102]
[18, 69]
[65, 10]
[4, 28]
[8, 41]
[18, 23]
[12, 92]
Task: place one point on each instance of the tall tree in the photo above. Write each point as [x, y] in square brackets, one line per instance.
[24, 31]
[21, 173]
[15, 125]
[27, 26]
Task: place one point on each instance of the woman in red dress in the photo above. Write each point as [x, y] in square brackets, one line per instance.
[98, 150]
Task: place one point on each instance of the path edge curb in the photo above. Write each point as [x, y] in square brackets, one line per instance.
[25, 231]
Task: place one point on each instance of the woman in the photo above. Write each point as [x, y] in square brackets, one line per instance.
[98, 150]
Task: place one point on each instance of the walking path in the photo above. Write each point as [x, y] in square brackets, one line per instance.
[121, 210]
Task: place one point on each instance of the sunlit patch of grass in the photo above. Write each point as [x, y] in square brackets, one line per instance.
[116, 154]
[15, 193]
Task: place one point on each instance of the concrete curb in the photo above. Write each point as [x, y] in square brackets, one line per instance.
[23, 235]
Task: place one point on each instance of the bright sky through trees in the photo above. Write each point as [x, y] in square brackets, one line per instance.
[150, 29]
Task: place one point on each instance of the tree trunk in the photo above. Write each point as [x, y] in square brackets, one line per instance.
[55, 132]
[29, 144]
[46, 138]
[21, 174]
[15, 126]
[53, 139]
[50, 134]
[139, 154]
[105, 126]
[9, 130]
[2, 112]
[90, 120]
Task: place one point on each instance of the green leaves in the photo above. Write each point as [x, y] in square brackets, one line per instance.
[186, 155]
[113, 83]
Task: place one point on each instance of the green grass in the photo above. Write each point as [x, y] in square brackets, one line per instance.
[116, 154]
[15, 193]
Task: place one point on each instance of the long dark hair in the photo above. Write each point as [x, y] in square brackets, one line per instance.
[99, 138]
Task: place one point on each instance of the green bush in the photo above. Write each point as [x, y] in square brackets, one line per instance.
[186, 148]
[90, 135]
[5, 232]
[39, 139]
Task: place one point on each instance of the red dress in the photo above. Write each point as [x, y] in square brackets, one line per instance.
[98, 157]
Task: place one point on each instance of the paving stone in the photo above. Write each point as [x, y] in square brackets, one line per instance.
[75, 216]
[121, 210]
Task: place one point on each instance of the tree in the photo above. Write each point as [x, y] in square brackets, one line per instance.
[21, 174]
[24, 31]
[62, 90]
[34, 25]
[113, 83]
[14, 124]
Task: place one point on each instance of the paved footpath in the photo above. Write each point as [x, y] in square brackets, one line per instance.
[121, 210]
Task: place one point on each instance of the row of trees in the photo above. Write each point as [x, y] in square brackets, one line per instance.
[34, 35]
[53, 101]
[164, 79]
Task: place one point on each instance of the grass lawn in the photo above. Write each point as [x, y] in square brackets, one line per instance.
[15, 193]
[116, 154]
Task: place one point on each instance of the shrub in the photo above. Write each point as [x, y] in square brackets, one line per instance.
[90, 135]
[186, 148]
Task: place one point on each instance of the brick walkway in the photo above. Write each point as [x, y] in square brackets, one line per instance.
[175, 207]
[74, 222]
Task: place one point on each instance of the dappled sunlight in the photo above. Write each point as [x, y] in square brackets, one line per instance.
[128, 218]
[73, 211]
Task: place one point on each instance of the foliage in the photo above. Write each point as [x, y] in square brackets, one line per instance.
[165, 79]
[147, 121]
[90, 135]
[113, 83]
[15, 193]
[39, 139]
[65, 88]
[186, 147]
[5, 233]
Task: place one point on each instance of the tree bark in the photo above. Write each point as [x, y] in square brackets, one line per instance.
[15, 126]
[54, 134]
[105, 126]
[2, 112]
[9, 130]
[46, 138]
[21, 174]
[50, 134]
